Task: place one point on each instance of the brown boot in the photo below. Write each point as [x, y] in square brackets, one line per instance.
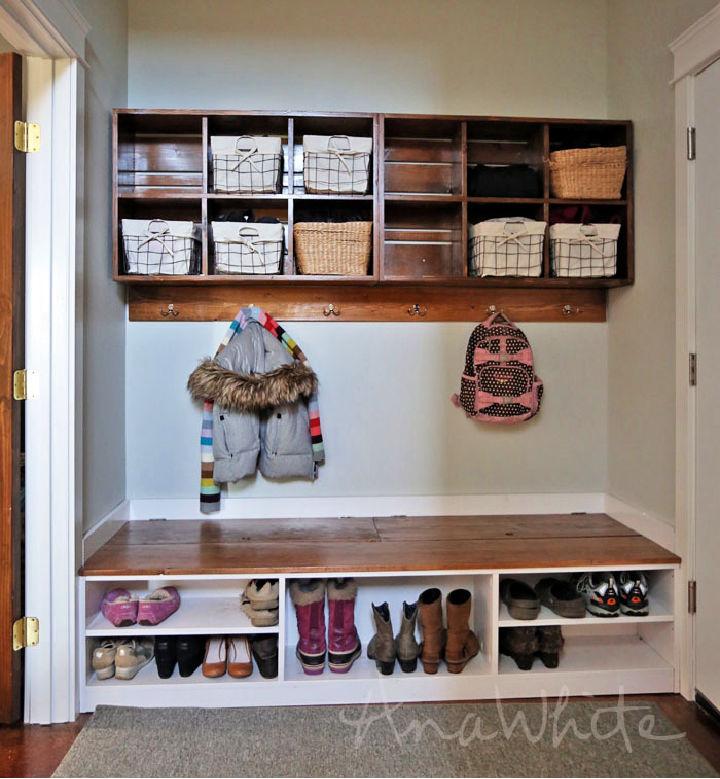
[462, 643]
[433, 634]
[381, 648]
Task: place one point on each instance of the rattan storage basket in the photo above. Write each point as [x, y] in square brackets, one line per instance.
[588, 173]
[333, 248]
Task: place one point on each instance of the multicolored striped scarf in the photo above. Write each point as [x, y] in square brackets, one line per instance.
[209, 490]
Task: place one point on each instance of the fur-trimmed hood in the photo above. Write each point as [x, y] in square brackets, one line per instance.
[252, 392]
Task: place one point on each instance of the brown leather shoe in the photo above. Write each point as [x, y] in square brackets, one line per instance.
[433, 634]
[462, 644]
[239, 659]
[215, 662]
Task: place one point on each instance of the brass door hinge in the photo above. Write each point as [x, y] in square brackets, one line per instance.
[20, 385]
[692, 597]
[691, 143]
[26, 632]
[27, 136]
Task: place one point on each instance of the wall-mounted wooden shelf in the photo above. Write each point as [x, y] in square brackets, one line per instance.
[418, 202]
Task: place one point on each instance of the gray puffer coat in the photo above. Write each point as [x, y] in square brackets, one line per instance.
[260, 413]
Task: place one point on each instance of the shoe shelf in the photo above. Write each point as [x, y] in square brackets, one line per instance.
[419, 174]
[600, 656]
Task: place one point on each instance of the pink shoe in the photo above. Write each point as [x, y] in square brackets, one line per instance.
[158, 606]
[120, 608]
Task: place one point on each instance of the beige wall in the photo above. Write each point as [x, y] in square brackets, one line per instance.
[104, 302]
[641, 421]
[478, 56]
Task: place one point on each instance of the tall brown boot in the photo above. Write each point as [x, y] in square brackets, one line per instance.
[462, 643]
[433, 634]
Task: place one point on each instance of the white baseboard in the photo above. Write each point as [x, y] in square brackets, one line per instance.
[647, 524]
[104, 529]
[408, 505]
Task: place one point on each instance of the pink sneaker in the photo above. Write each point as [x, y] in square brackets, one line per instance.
[120, 608]
[158, 606]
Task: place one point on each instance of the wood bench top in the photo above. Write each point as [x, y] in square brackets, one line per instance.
[369, 544]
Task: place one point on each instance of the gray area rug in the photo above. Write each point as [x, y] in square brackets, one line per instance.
[457, 739]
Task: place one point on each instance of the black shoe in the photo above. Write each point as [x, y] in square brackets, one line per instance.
[550, 642]
[165, 655]
[561, 597]
[190, 653]
[265, 652]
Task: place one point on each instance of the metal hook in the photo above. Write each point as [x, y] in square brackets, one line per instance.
[417, 310]
[490, 310]
[170, 311]
[569, 310]
[330, 309]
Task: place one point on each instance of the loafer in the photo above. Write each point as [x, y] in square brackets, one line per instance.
[158, 606]
[265, 653]
[521, 600]
[120, 608]
[561, 597]
[239, 659]
[215, 661]
[165, 655]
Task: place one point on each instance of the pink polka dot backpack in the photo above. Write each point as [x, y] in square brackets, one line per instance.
[499, 384]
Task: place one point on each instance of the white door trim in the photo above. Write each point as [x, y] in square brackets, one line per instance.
[53, 31]
[693, 51]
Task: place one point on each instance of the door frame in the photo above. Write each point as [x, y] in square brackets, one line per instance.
[693, 51]
[51, 34]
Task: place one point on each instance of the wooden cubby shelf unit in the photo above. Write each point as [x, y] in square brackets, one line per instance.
[417, 200]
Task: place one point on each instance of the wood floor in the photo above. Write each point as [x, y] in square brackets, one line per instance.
[366, 544]
[37, 750]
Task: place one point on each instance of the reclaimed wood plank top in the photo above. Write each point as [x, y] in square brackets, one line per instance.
[368, 544]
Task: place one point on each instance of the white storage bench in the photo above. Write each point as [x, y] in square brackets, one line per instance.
[393, 559]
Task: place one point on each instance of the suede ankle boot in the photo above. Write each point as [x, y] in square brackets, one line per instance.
[462, 644]
[521, 644]
[381, 648]
[550, 642]
[406, 644]
[308, 597]
[433, 634]
[343, 641]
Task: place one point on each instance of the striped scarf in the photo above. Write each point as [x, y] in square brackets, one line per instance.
[209, 490]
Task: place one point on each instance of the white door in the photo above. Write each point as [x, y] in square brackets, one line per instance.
[707, 298]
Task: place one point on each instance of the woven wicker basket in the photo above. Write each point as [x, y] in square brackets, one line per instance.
[333, 248]
[588, 173]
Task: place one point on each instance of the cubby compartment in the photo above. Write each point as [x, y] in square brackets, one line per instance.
[163, 209]
[423, 240]
[513, 150]
[235, 209]
[608, 212]
[423, 157]
[254, 125]
[396, 590]
[159, 154]
[351, 125]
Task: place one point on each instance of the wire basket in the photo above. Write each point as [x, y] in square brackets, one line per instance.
[588, 173]
[246, 247]
[333, 248]
[507, 247]
[584, 251]
[246, 164]
[158, 247]
[336, 164]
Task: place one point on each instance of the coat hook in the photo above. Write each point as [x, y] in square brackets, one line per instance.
[170, 311]
[330, 309]
[569, 310]
[491, 310]
[417, 310]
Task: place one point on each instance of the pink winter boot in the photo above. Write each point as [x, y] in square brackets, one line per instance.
[343, 641]
[308, 597]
